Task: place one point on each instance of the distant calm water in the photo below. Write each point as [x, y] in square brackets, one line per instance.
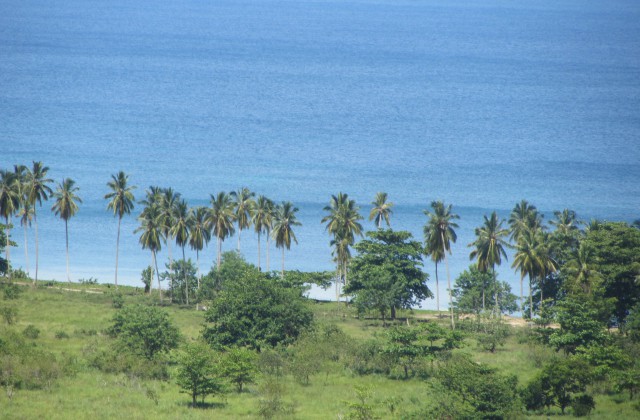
[480, 103]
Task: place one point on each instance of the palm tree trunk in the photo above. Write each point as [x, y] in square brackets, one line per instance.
[117, 248]
[155, 263]
[522, 293]
[345, 272]
[268, 253]
[198, 263]
[26, 249]
[338, 279]
[170, 265]
[66, 234]
[35, 220]
[530, 300]
[283, 262]
[184, 274]
[446, 262]
[259, 269]
[541, 286]
[8, 253]
[219, 252]
[437, 292]
[239, 232]
[495, 285]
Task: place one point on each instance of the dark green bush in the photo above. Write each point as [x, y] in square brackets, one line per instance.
[31, 332]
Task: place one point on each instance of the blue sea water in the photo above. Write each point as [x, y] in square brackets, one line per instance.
[479, 103]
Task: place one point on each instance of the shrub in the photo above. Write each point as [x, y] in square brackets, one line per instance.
[9, 314]
[117, 300]
[583, 405]
[145, 330]
[31, 332]
[11, 291]
[198, 373]
[61, 334]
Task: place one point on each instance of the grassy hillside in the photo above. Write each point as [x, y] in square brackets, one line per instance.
[72, 320]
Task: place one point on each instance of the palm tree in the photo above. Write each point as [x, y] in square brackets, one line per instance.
[490, 248]
[381, 210]
[439, 232]
[527, 261]
[66, 206]
[152, 228]
[524, 216]
[582, 268]
[432, 250]
[9, 203]
[566, 222]
[547, 264]
[243, 203]
[121, 203]
[26, 213]
[268, 227]
[285, 220]
[220, 219]
[37, 190]
[200, 234]
[262, 219]
[180, 231]
[168, 200]
[343, 224]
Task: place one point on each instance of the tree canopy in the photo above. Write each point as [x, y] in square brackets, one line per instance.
[387, 274]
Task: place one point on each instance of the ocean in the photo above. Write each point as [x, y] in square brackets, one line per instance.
[478, 103]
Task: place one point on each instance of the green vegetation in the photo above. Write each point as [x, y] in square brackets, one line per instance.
[73, 349]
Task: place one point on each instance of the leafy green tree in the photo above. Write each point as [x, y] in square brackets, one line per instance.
[439, 232]
[145, 330]
[403, 347]
[381, 210]
[387, 274]
[481, 392]
[198, 372]
[121, 203]
[182, 281]
[147, 278]
[616, 249]
[262, 220]
[253, 312]
[557, 384]
[199, 233]
[220, 219]
[9, 203]
[66, 206]
[238, 366]
[151, 226]
[37, 190]
[243, 204]
[469, 288]
[284, 221]
[489, 249]
[579, 326]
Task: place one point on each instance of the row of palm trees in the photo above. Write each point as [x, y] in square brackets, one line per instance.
[22, 191]
[166, 217]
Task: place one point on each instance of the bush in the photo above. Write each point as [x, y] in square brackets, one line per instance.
[61, 334]
[198, 372]
[238, 366]
[117, 300]
[9, 314]
[145, 330]
[118, 359]
[583, 405]
[31, 332]
[11, 291]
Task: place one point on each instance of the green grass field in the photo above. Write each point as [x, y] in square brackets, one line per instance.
[83, 313]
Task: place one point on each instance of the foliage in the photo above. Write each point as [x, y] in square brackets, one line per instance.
[482, 392]
[147, 278]
[403, 347]
[176, 274]
[9, 314]
[557, 384]
[238, 366]
[303, 280]
[117, 358]
[494, 333]
[145, 330]
[469, 288]
[254, 312]
[232, 267]
[628, 380]
[617, 249]
[31, 331]
[579, 326]
[582, 405]
[362, 408]
[632, 324]
[10, 291]
[387, 274]
[198, 372]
